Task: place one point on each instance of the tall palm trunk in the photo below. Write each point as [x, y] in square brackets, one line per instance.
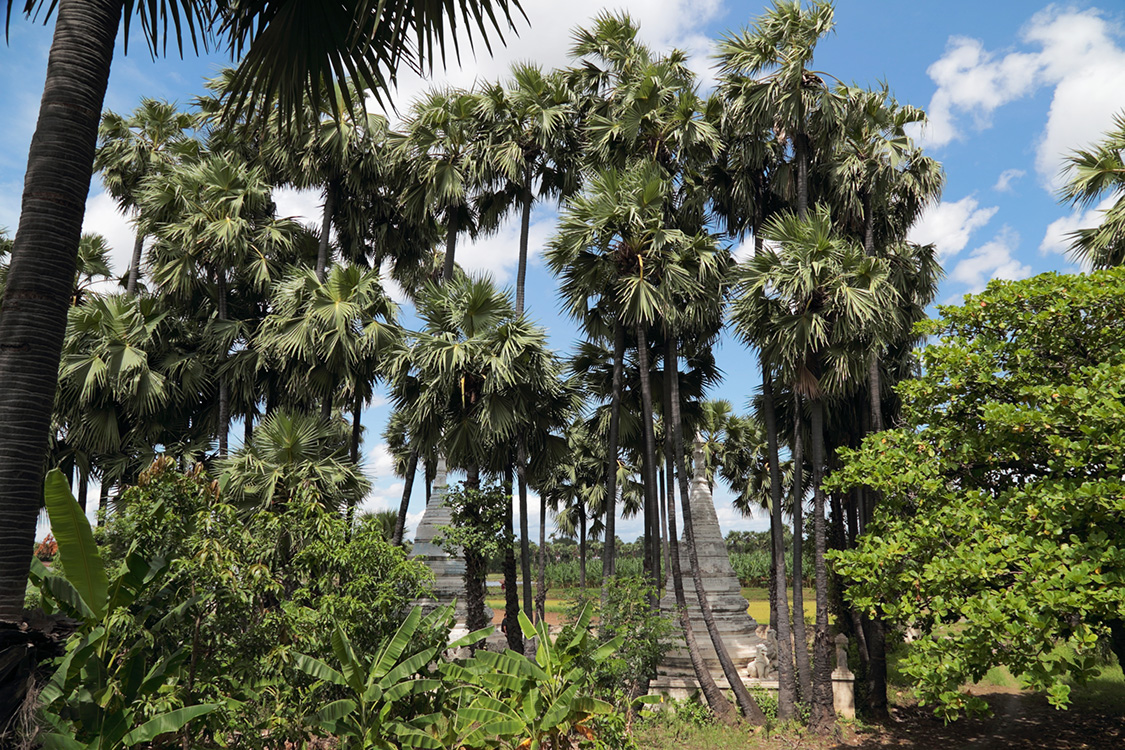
[541, 588]
[325, 230]
[525, 531]
[582, 547]
[745, 701]
[873, 630]
[41, 272]
[135, 264]
[224, 384]
[404, 504]
[716, 700]
[668, 475]
[649, 463]
[452, 226]
[823, 714]
[83, 486]
[801, 155]
[787, 688]
[609, 554]
[476, 569]
[511, 593]
[525, 231]
[800, 637]
[357, 435]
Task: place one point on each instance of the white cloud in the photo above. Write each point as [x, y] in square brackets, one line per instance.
[497, 255]
[304, 206]
[992, 260]
[104, 218]
[545, 38]
[1006, 178]
[1057, 237]
[949, 225]
[380, 463]
[1078, 56]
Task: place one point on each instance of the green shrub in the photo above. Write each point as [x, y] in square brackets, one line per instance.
[622, 608]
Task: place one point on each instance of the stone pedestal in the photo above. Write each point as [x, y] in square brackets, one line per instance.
[843, 681]
[737, 628]
[448, 570]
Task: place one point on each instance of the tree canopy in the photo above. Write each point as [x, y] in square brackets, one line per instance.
[1000, 533]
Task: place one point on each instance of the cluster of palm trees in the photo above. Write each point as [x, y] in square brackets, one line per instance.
[232, 315]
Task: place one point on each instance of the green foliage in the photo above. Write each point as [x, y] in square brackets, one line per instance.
[109, 690]
[477, 521]
[623, 610]
[1001, 532]
[752, 568]
[386, 705]
[261, 584]
[543, 703]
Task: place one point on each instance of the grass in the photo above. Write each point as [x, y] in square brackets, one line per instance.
[757, 597]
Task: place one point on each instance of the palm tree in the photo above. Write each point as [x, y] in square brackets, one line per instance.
[214, 231]
[1093, 172]
[132, 149]
[777, 53]
[804, 307]
[463, 382]
[292, 454]
[531, 149]
[441, 144]
[368, 39]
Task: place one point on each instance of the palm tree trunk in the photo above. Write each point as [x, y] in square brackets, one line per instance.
[41, 272]
[525, 230]
[135, 264]
[451, 229]
[800, 637]
[325, 231]
[404, 504]
[103, 497]
[582, 546]
[248, 428]
[224, 385]
[357, 426]
[541, 589]
[823, 714]
[745, 701]
[649, 463]
[326, 403]
[801, 155]
[83, 486]
[511, 593]
[716, 700]
[525, 531]
[609, 555]
[476, 569]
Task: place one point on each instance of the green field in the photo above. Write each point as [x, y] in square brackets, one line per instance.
[758, 598]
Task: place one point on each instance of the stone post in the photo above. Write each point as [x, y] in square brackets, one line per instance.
[843, 681]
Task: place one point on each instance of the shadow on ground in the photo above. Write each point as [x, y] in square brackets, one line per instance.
[1020, 721]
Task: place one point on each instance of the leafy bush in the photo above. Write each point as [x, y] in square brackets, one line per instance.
[260, 585]
[622, 608]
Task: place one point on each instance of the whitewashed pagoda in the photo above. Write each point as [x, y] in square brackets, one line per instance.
[448, 569]
[675, 675]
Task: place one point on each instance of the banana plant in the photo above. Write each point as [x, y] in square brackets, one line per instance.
[97, 696]
[542, 704]
[379, 710]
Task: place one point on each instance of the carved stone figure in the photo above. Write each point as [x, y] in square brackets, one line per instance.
[764, 666]
[760, 667]
[842, 653]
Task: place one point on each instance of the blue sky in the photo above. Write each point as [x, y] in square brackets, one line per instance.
[1011, 86]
